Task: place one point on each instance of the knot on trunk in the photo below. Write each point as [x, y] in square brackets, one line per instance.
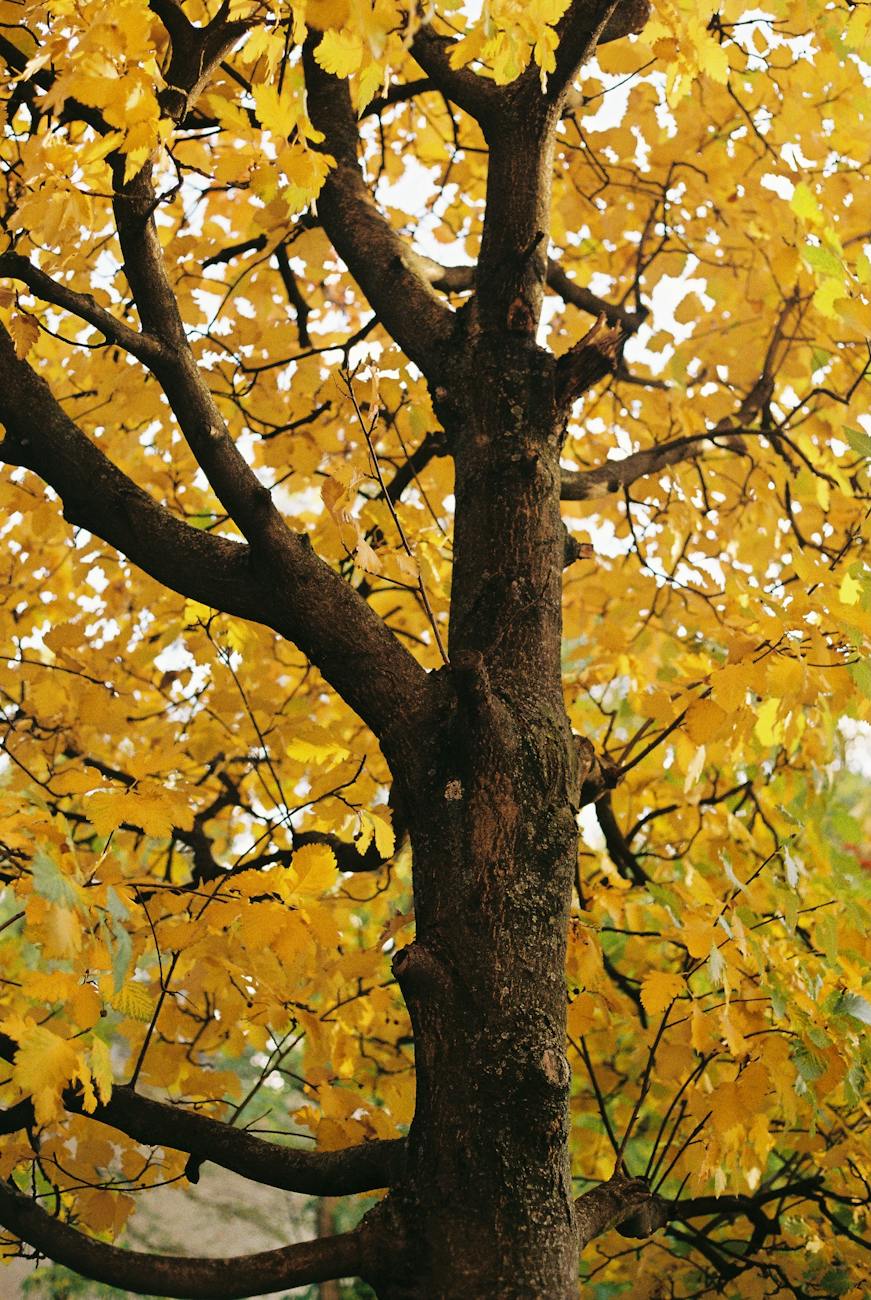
[595, 774]
[419, 971]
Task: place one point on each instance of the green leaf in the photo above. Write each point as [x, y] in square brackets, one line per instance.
[859, 441]
[118, 941]
[50, 882]
[823, 260]
[851, 1004]
[807, 1063]
[861, 674]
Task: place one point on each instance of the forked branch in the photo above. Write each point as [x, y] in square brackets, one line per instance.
[195, 52]
[480, 98]
[381, 262]
[291, 590]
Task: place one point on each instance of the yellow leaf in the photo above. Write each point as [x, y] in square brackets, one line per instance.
[367, 559]
[805, 205]
[105, 810]
[340, 52]
[326, 13]
[72, 781]
[63, 932]
[581, 1015]
[276, 113]
[101, 1068]
[42, 1067]
[849, 590]
[704, 721]
[768, 729]
[659, 989]
[714, 60]
[133, 1001]
[385, 841]
[702, 1037]
[698, 936]
[24, 331]
[314, 867]
[314, 744]
[85, 1006]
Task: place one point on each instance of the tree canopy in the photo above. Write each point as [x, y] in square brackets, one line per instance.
[239, 242]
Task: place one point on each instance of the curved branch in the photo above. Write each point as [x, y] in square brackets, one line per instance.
[581, 297]
[585, 25]
[143, 346]
[382, 263]
[614, 475]
[170, 1275]
[289, 589]
[363, 1168]
[244, 497]
[480, 98]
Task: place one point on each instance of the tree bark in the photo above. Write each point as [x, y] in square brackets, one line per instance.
[485, 1207]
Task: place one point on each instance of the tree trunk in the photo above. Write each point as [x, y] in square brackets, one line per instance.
[486, 1205]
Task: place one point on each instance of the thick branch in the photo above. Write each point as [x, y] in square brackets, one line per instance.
[362, 1168]
[613, 1203]
[196, 52]
[586, 24]
[314, 1173]
[614, 475]
[592, 357]
[381, 262]
[477, 96]
[170, 1275]
[296, 594]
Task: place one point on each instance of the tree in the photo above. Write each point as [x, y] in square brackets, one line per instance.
[261, 445]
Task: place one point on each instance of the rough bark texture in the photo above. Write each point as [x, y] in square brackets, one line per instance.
[486, 1206]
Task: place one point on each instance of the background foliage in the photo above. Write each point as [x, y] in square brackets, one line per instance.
[186, 809]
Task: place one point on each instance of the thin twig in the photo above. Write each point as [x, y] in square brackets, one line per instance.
[367, 433]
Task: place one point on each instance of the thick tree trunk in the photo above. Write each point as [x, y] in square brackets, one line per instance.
[486, 1205]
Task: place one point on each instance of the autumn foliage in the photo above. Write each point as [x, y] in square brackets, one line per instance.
[278, 603]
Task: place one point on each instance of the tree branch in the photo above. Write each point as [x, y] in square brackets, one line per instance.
[244, 497]
[195, 53]
[143, 346]
[460, 279]
[618, 850]
[362, 1168]
[382, 263]
[586, 24]
[614, 475]
[477, 96]
[581, 297]
[292, 591]
[589, 360]
[169, 1275]
[614, 1202]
